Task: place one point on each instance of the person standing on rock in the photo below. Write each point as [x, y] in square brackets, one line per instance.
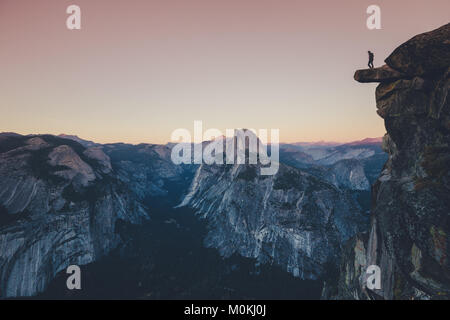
[370, 64]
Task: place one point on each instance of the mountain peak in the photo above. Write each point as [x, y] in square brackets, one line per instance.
[85, 143]
[366, 141]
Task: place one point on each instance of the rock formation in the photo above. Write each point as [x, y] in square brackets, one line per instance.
[410, 218]
[348, 174]
[291, 219]
[59, 205]
[61, 197]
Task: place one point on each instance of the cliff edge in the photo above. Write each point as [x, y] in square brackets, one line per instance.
[410, 215]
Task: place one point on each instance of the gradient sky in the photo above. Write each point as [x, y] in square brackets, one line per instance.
[140, 69]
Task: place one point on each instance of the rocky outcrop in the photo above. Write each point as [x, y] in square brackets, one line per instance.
[425, 54]
[73, 168]
[348, 174]
[292, 218]
[59, 205]
[384, 73]
[96, 153]
[410, 218]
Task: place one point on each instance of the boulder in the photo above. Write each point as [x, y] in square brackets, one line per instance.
[423, 54]
[381, 74]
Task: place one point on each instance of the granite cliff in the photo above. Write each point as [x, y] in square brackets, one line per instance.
[291, 219]
[59, 205]
[410, 215]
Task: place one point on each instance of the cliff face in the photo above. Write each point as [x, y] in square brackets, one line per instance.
[148, 170]
[292, 219]
[59, 204]
[348, 173]
[410, 219]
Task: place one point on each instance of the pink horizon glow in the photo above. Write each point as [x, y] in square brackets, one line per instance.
[137, 70]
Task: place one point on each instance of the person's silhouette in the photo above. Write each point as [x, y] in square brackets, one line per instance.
[370, 64]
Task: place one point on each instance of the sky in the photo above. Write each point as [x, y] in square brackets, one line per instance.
[138, 70]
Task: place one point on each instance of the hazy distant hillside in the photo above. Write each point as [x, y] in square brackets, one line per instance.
[79, 196]
[354, 165]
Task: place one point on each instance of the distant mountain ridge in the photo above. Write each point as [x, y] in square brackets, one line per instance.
[365, 141]
[354, 165]
[75, 192]
[83, 142]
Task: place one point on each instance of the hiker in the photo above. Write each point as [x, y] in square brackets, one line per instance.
[370, 64]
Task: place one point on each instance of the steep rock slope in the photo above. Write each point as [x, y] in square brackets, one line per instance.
[149, 171]
[292, 219]
[353, 165]
[410, 223]
[59, 204]
[348, 174]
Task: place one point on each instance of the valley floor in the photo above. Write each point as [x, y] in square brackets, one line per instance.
[166, 259]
